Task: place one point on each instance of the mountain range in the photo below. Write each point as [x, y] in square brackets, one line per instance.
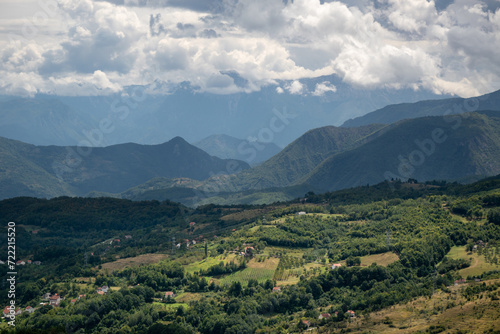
[458, 146]
[47, 171]
[227, 147]
[149, 119]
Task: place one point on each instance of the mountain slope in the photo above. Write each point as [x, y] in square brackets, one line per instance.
[59, 171]
[302, 156]
[19, 176]
[429, 148]
[227, 147]
[42, 121]
[396, 112]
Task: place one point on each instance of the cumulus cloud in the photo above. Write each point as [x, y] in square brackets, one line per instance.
[324, 87]
[295, 87]
[227, 46]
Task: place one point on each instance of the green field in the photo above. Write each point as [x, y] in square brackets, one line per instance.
[172, 306]
[383, 259]
[208, 262]
[260, 271]
[478, 263]
[247, 274]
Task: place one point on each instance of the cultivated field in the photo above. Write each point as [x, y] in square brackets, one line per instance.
[383, 259]
[478, 262]
[133, 262]
[260, 271]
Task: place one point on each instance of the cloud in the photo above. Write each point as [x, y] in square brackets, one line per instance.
[227, 46]
[295, 87]
[324, 87]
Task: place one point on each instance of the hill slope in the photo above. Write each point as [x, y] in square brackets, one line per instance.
[396, 112]
[56, 171]
[227, 147]
[429, 148]
[302, 156]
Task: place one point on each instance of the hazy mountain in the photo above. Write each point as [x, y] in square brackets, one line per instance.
[227, 147]
[429, 148]
[396, 112]
[269, 115]
[48, 171]
[43, 121]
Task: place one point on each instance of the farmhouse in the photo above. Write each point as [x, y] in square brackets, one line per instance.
[336, 265]
[6, 311]
[55, 300]
[277, 289]
[324, 316]
[170, 294]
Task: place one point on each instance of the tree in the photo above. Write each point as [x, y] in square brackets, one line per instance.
[494, 216]
[353, 261]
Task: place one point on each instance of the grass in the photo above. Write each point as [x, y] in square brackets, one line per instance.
[260, 271]
[383, 259]
[297, 252]
[136, 261]
[261, 275]
[450, 310]
[187, 297]
[171, 307]
[208, 262]
[478, 262]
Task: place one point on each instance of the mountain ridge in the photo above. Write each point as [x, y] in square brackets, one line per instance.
[77, 170]
[441, 107]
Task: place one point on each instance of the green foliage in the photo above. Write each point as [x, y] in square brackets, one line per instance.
[494, 216]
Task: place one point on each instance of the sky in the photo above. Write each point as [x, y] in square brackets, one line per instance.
[84, 47]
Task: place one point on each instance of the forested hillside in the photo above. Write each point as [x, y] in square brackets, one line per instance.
[260, 269]
[49, 171]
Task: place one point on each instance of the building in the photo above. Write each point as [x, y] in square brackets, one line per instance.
[336, 265]
[277, 289]
[307, 323]
[351, 313]
[324, 316]
[73, 301]
[55, 300]
[170, 294]
[29, 309]
[6, 311]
